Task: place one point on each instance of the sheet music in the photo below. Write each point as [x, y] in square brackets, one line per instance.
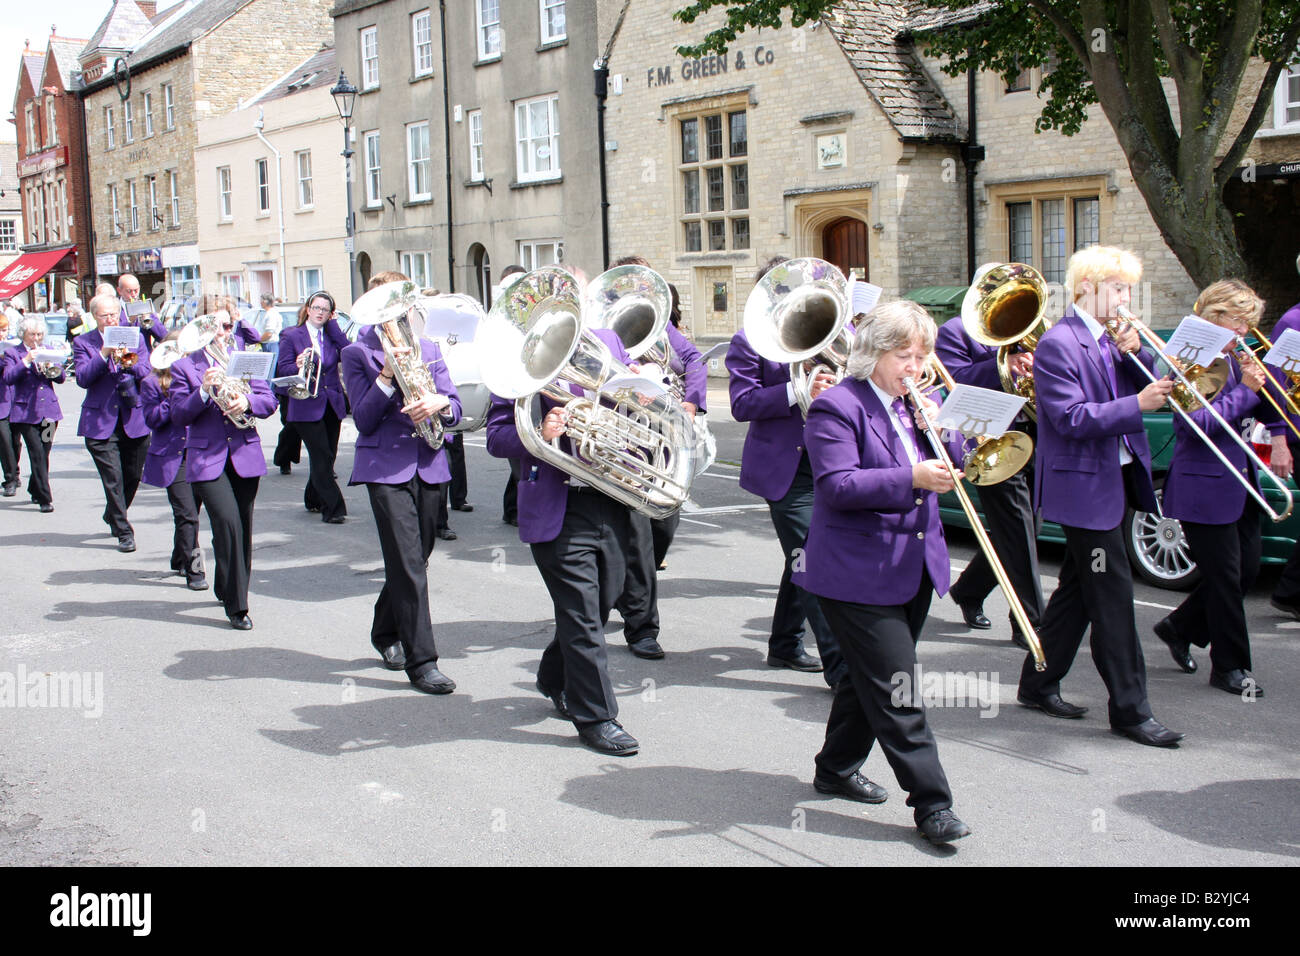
[1285, 353]
[249, 365]
[1197, 342]
[975, 411]
[863, 297]
[122, 337]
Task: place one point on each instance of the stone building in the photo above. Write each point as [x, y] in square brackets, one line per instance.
[196, 61]
[476, 140]
[273, 204]
[51, 170]
[11, 205]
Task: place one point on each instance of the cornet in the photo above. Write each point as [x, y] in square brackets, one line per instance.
[310, 371]
[201, 333]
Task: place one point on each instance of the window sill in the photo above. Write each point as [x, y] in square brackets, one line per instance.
[373, 210]
[365, 92]
[421, 77]
[304, 209]
[175, 227]
[263, 214]
[552, 44]
[487, 60]
[526, 183]
[1292, 130]
[427, 201]
[471, 183]
[699, 258]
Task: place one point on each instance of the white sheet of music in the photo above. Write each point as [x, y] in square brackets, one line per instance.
[1285, 353]
[1197, 342]
[122, 337]
[249, 365]
[976, 411]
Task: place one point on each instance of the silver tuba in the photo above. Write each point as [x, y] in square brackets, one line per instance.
[452, 319]
[799, 313]
[388, 308]
[636, 448]
[201, 333]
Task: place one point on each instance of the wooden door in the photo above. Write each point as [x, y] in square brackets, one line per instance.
[844, 245]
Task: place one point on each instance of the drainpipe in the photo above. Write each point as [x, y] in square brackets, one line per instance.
[971, 155]
[446, 140]
[601, 66]
[279, 193]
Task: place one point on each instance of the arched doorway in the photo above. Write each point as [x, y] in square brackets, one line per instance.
[844, 245]
[481, 264]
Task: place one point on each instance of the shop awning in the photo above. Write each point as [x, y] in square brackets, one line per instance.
[27, 269]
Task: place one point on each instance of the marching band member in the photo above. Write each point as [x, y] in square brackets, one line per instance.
[164, 466]
[774, 466]
[1286, 593]
[1219, 519]
[875, 555]
[223, 462]
[34, 407]
[111, 421]
[151, 328]
[579, 540]
[403, 477]
[1093, 459]
[1007, 505]
[10, 443]
[319, 419]
[288, 446]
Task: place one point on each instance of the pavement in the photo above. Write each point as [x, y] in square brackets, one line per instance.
[177, 740]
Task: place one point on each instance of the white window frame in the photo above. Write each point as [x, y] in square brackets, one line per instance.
[373, 191]
[1281, 100]
[526, 144]
[306, 198]
[369, 64]
[422, 50]
[32, 144]
[148, 114]
[51, 123]
[418, 266]
[528, 253]
[110, 132]
[545, 6]
[116, 210]
[8, 235]
[262, 180]
[413, 164]
[151, 183]
[169, 107]
[474, 126]
[128, 122]
[305, 287]
[132, 206]
[224, 211]
[173, 183]
[488, 32]
[232, 284]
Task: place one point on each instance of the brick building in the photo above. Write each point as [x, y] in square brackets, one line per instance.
[11, 205]
[196, 61]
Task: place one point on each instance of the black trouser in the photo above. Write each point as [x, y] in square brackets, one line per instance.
[288, 448]
[584, 570]
[187, 556]
[639, 602]
[119, 459]
[1215, 612]
[1013, 530]
[791, 516]
[322, 492]
[1287, 589]
[879, 643]
[456, 462]
[665, 529]
[1095, 588]
[39, 439]
[10, 449]
[510, 498]
[405, 517]
[228, 500]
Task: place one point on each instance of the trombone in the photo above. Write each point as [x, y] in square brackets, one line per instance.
[992, 459]
[1113, 329]
[999, 572]
[1289, 396]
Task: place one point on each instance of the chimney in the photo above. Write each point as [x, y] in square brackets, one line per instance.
[148, 7]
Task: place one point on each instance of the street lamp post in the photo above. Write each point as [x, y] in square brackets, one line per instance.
[345, 96]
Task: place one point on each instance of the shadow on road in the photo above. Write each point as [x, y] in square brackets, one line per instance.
[1264, 815]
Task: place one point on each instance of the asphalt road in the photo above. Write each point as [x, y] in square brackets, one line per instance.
[196, 744]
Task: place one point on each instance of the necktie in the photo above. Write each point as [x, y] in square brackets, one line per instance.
[909, 430]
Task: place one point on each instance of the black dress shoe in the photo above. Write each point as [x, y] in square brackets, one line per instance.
[126, 544]
[394, 657]
[46, 509]
[1236, 682]
[241, 622]
[973, 615]
[943, 826]
[1150, 732]
[312, 509]
[647, 649]
[433, 681]
[1052, 704]
[286, 469]
[465, 506]
[511, 521]
[853, 787]
[1179, 650]
[1285, 608]
[803, 661]
[337, 519]
[557, 698]
[197, 584]
[446, 534]
[8, 491]
[608, 737]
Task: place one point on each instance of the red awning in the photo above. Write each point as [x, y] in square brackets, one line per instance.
[28, 268]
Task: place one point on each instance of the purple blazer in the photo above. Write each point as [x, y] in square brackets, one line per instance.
[102, 408]
[970, 362]
[543, 490]
[872, 533]
[32, 398]
[212, 438]
[387, 450]
[246, 335]
[167, 447]
[1198, 488]
[1290, 320]
[1078, 481]
[6, 391]
[332, 342]
[687, 362]
[774, 444]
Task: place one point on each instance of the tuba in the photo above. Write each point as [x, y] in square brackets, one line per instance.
[635, 448]
[1004, 308]
[451, 319]
[388, 308]
[799, 313]
[201, 333]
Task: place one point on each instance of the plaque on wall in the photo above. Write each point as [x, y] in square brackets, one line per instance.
[831, 150]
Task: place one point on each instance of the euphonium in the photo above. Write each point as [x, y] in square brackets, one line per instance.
[636, 448]
[1004, 308]
[799, 313]
[201, 333]
[452, 319]
[388, 308]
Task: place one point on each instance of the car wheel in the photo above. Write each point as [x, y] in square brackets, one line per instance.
[1157, 548]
